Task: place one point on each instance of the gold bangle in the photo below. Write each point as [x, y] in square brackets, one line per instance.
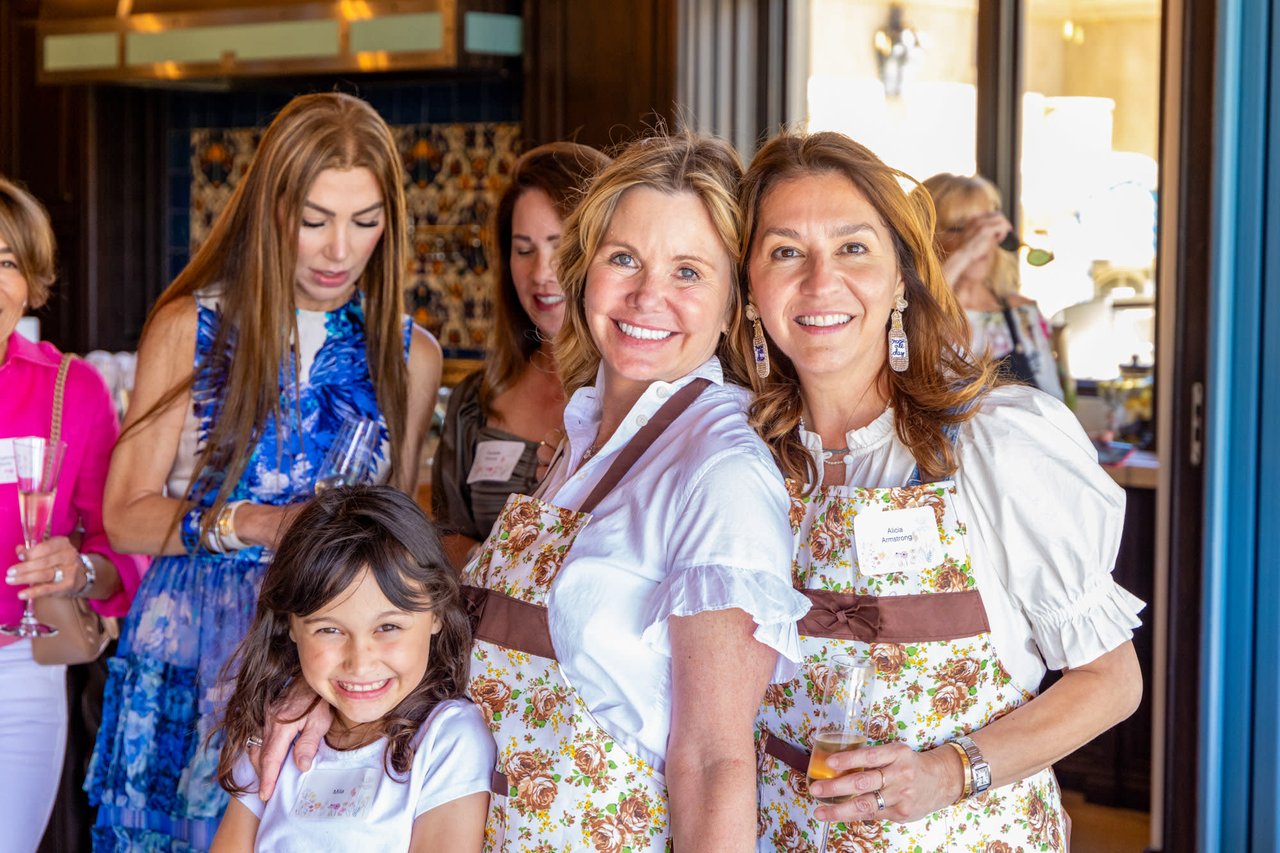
[227, 527]
[967, 790]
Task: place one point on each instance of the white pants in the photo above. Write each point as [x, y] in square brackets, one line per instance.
[33, 739]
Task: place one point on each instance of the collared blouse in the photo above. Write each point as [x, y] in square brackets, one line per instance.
[28, 375]
[699, 524]
[1043, 526]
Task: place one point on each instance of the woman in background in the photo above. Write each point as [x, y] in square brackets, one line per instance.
[498, 415]
[959, 533]
[1004, 324]
[33, 713]
[287, 323]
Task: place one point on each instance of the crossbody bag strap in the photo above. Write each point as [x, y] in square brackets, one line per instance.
[644, 439]
[1012, 324]
[55, 424]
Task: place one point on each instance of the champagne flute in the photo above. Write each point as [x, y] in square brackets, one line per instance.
[842, 724]
[350, 457]
[37, 463]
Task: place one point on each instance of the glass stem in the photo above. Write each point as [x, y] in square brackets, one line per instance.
[826, 829]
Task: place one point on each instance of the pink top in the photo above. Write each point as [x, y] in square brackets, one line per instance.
[89, 427]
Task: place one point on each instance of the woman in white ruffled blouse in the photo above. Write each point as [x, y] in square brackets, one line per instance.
[631, 613]
[889, 434]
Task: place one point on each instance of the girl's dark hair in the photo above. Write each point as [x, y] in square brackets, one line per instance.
[338, 536]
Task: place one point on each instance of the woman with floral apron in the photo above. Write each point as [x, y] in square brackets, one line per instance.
[959, 535]
[630, 615]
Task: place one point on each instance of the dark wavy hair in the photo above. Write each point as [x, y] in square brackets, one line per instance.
[338, 536]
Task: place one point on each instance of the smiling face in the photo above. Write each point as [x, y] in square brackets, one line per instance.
[362, 654]
[339, 228]
[535, 236]
[657, 290]
[824, 275]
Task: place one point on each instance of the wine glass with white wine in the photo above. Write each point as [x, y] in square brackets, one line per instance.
[37, 463]
[842, 724]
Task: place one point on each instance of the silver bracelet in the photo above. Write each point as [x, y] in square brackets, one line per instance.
[90, 576]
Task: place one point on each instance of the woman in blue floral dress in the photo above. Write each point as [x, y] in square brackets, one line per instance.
[286, 323]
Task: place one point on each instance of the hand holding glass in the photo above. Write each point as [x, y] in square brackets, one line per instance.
[842, 724]
[37, 463]
[350, 457]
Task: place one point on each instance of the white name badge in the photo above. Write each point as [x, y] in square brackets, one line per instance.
[495, 461]
[8, 473]
[897, 540]
[337, 793]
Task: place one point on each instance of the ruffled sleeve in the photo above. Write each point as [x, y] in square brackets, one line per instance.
[731, 548]
[1050, 520]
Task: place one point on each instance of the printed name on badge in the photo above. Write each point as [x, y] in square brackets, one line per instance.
[495, 461]
[897, 540]
[338, 793]
[8, 472]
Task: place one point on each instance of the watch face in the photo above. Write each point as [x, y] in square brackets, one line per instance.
[981, 777]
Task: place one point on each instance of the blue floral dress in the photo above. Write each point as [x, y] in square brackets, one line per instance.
[153, 770]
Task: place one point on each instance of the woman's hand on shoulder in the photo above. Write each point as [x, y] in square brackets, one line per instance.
[301, 720]
[911, 784]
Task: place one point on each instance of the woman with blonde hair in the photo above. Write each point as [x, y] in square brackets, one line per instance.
[984, 276]
[287, 323]
[631, 613]
[951, 528]
[498, 415]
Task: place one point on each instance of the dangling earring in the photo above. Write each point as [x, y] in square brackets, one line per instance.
[899, 354]
[758, 348]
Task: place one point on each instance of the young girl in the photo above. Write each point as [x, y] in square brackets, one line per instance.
[360, 603]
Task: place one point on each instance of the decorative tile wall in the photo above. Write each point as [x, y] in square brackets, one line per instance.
[454, 176]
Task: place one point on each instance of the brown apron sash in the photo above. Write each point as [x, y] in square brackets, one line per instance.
[789, 754]
[921, 618]
[514, 624]
[508, 622]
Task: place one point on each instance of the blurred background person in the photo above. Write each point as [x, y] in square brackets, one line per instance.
[498, 415]
[33, 712]
[984, 277]
[287, 323]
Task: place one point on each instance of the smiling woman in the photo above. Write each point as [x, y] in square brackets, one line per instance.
[287, 323]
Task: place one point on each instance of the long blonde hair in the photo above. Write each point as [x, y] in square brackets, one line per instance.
[941, 384]
[250, 257]
[676, 163]
[955, 199]
[562, 171]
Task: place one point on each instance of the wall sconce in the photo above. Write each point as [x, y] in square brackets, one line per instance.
[896, 46]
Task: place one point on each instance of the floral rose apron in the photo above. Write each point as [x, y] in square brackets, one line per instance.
[937, 676]
[561, 782]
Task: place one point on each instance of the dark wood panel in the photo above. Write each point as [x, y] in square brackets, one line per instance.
[600, 73]
[1114, 769]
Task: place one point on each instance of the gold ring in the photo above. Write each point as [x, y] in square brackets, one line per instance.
[879, 799]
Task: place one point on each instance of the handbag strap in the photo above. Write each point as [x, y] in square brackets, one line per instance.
[1013, 326]
[55, 426]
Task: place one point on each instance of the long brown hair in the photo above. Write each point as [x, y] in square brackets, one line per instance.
[24, 225]
[249, 257]
[942, 383]
[562, 171]
[677, 163]
[341, 534]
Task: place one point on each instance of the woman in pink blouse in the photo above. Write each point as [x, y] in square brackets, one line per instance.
[33, 716]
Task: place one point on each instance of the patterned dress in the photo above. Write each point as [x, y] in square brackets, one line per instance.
[153, 769]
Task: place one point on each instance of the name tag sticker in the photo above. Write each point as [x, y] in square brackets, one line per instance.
[8, 473]
[337, 793]
[899, 540]
[495, 461]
